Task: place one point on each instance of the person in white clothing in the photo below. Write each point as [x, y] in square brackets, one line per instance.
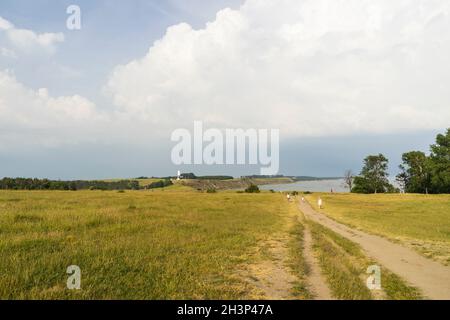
[320, 203]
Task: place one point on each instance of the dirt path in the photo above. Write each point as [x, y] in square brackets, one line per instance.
[432, 278]
[315, 279]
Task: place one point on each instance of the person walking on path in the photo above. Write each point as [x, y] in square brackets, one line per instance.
[320, 203]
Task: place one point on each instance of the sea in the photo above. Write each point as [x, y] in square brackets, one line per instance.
[335, 185]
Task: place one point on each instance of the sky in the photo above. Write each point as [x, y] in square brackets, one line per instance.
[340, 79]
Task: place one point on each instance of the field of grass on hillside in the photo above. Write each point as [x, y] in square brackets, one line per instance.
[142, 182]
[419, 221]
[172, 244]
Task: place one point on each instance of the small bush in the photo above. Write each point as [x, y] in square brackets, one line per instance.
[253, 188]
[307, 192]
[159, 184]
[211, 190]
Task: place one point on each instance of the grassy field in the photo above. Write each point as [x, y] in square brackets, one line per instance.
[172, 244]
[178, 243]
[419, 221]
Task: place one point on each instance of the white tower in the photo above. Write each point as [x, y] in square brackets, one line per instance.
[178, 175]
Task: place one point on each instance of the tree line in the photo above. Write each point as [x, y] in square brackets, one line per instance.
[419, 173]
[46, 184]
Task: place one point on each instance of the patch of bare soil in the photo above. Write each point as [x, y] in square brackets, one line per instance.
[269, 276]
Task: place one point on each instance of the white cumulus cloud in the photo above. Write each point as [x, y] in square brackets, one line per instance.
[27, 40]
[35, 117]
[309, 67]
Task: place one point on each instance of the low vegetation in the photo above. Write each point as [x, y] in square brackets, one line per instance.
[176, 243]
[297, 259]
[159, 184]
[253, 188]
[343, 275]
[172, 244]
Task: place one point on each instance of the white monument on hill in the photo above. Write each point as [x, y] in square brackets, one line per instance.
[178, 175]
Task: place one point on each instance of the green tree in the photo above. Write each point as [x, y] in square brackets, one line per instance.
[415, 174]
[440, 164]
[373, 177]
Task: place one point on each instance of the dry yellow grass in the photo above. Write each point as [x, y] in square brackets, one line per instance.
[172, 244]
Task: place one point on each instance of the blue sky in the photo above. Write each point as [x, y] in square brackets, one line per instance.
[340, 82]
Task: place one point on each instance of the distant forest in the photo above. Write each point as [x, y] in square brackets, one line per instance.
[45, 184]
